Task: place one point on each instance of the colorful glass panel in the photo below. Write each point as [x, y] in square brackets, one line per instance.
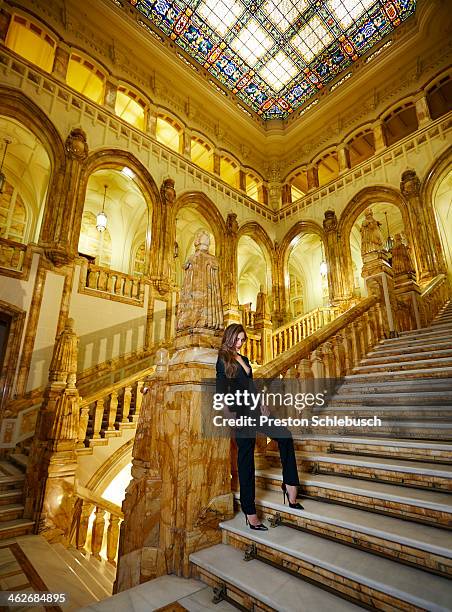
[276, 54]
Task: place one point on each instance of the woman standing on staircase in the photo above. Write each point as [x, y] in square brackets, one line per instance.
[234, 374]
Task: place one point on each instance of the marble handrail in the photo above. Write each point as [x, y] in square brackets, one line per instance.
[111, 284]
[86, 504]
[286, 336]
[350, 336]
[434, 296]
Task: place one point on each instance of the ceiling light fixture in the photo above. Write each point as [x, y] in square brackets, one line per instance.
[101, 218]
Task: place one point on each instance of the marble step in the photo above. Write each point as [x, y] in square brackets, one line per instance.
[9, 483]
[442, 320]
[375, 581]
[10, 497]
[15, 528]
[369, 383]
[381, 396]
[251, 583]
[427, 429]
[425, 331]
[54, 572]
[404, 342]
[20, 460]
[381, 350]
[399, 471]
[407, 365]
[408, 503]
[106, 573]
[374, 359]
[406, 376]
[392, 411]
[421, 545]
[387, 448]
[11, 511]
[84, 571]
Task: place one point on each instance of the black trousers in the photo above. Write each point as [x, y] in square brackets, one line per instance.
[246, 440]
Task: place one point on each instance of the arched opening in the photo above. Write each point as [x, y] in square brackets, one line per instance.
[439, 97]
[27, 170]
[29, 40]
[253, 187]
[328, 168]
[391, 223]
[119, 245]
[442, 202]
[131, 107]
[169, 133]
[361, 147]
[201, 154]
[306, 279]
[86, 78]
[401, 122]
[253, 271]
[229, 171]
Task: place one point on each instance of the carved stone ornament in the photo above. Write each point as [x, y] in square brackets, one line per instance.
[402, 262]
[200, 303]
[330, 221]
[76, 145]
[63, 367]
[410, 185]
[232, 225]
[167, 191]
[371, 236]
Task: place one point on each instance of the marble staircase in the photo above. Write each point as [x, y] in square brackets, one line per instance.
[376, 528]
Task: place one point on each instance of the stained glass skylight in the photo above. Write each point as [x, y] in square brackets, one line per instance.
[275, 54]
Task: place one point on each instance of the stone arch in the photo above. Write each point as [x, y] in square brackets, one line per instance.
[429, 186]
[357, 205]
[256, 232]
[16, 105]
[116, 159]
[284, 249]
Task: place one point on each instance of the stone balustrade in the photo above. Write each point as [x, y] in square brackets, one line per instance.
[115, 407]
[286, 336]
[434, 296]
[334, 349]
[12, 255]
[103, 538]
[253, 348]
[111, 284]
[248, 315]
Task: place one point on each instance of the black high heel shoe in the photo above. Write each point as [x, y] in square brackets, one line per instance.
[296, 505]
[260, 527]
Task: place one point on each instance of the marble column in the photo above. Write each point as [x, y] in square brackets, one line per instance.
[111, 92]
[426, 242]
[230, 283]
[216, 162]
[312, 175]
[422, 110]
[340, 278]
[286, 194]
[152, 121]
[343, 156]
[61, 223]
[379, 136]
[242, 179]
[61, 61]
[186, 143]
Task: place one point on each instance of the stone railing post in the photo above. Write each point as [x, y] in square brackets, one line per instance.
[97, 533]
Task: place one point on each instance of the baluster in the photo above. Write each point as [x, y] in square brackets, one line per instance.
[112, 411]
[112, 538]
[327, 352]
[138, 400]
[356, 345]
[127, 397]
[135, 288]
[97, 532]
[347, 351]
[98, 416]
[92, 279]
[305, 328]
[338, 360]
[82, 531]
[381, 320]
[361, 340]
[82, 426]
[127, 287]
[118, 285]
[110, 283]
[102, 281]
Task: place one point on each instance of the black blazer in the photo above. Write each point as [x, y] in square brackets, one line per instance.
[241, 382]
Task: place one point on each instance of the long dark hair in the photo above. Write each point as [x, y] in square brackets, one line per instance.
[227, 350]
